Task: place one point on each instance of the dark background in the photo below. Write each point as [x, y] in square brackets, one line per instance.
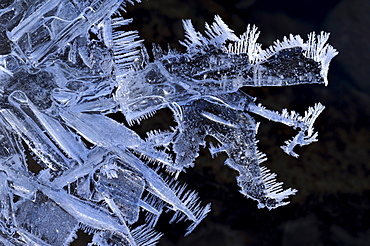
[332, 175]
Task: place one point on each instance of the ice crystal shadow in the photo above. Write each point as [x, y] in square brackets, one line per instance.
[69, 65]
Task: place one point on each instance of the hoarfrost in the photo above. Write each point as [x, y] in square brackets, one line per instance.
[69, 65]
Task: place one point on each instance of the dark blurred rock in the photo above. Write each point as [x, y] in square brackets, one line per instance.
[349, 24]
[304, 231]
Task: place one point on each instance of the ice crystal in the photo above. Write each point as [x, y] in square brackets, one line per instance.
[66, 64]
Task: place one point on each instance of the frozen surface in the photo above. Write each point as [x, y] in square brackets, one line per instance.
[66, 64]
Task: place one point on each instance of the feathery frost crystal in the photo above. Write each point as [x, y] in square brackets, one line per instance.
[66, 64]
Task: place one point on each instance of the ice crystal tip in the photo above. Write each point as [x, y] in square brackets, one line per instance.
[71, 66]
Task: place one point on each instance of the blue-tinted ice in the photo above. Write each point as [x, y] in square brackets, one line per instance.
[66, 64]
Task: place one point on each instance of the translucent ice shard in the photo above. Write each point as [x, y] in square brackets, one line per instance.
[65, 166]
[54, 23]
